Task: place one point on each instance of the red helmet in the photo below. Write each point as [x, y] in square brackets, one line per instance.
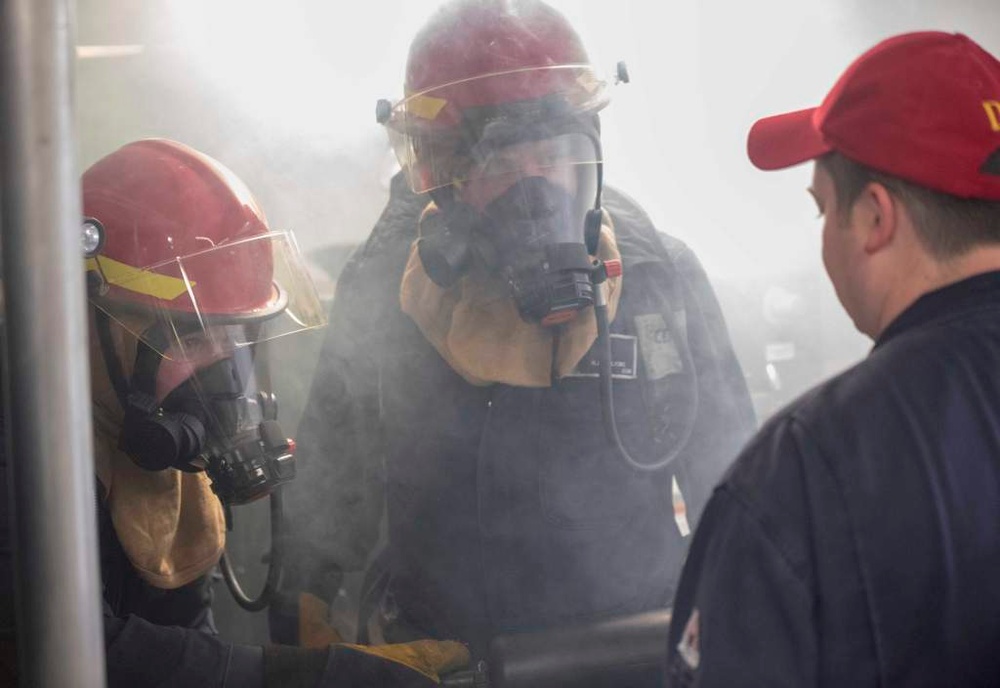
[183, 237]
[478, 65]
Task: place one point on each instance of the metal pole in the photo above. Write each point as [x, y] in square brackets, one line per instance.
[59, 633]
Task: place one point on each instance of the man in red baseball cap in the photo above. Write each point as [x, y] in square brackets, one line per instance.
[855, 541]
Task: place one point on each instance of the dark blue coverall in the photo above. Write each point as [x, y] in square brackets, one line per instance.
[856, 541]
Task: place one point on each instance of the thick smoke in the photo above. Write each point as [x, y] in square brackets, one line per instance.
[284, 94]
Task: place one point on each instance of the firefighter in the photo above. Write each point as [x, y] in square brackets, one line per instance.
[186, 281]
[461, 375]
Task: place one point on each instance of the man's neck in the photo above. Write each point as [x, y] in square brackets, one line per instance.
[927, 275]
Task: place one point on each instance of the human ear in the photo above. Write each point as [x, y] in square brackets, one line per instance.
[878, 215]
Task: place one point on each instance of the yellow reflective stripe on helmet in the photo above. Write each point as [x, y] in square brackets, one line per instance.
[139, 281]
[589, 81]
[425, 107]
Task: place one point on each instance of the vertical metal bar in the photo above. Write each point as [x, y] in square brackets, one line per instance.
[59, 634]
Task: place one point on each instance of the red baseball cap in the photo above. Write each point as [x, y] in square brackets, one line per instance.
[924, 107]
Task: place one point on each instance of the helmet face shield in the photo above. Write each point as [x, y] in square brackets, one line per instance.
[260, 282]
[443, 135]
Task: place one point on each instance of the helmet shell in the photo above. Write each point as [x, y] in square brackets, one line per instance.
[163, 205]
[468, 41]
[513, 68]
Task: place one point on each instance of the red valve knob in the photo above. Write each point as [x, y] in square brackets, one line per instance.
[613, 268]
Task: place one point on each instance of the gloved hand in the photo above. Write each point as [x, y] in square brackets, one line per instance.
[314, 622]
[406, 665]
[299, 612]
[301, 619]
[427, 657]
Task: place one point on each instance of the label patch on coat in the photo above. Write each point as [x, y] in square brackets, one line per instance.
[687, 648]
[659, 351]
[624, 359]
[680, 509]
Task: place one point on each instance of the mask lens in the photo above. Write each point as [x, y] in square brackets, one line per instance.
[196, 351]
[519, 153]
[223, 395]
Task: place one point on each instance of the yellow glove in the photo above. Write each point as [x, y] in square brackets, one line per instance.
[315, 630]
[428, 657]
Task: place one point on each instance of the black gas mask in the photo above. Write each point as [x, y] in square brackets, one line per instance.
[217, 420]
[536, 235]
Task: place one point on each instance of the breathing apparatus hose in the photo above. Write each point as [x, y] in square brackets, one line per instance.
[273, 566]
[618, 651]
[600, 275]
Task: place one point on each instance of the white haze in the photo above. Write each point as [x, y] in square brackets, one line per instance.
[284, 94]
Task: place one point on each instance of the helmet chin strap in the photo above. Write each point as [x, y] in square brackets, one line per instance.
[595, 216]
[111, 363]
[146, 360]
[154, 440]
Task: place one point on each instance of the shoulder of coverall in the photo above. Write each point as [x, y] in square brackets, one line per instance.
[397, 225]
[870, 454]
[368, 284]
[874, 404]
[766, 481]
[369, 277]
[638, 238]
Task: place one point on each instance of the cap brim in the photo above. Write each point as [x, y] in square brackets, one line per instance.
[785, 140]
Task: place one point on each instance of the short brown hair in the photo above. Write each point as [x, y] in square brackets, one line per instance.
[948, 226]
